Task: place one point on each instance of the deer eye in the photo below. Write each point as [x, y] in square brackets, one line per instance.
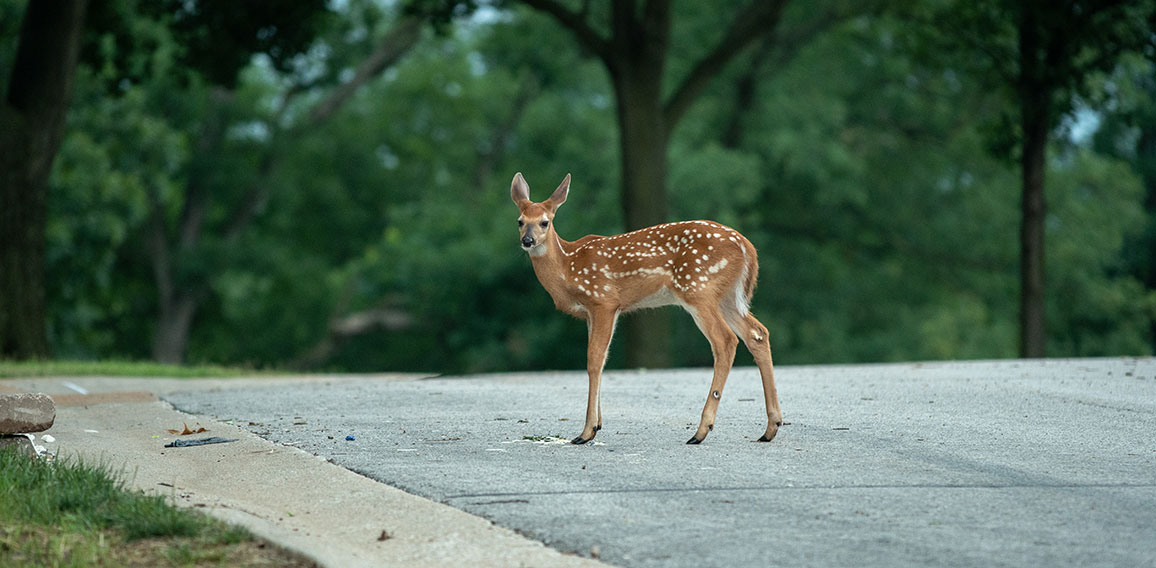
[521, 222]
[544, 224]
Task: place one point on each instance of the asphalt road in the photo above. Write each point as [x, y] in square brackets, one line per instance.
[1015, 463]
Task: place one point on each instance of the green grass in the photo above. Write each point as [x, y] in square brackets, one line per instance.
[77, 514]
[13, 369]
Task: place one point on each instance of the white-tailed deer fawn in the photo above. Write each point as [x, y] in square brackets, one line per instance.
[707, 268]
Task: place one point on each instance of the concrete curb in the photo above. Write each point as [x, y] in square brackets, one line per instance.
[294, 499]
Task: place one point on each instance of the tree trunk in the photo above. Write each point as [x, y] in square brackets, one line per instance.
[643, 150]
[642, 134]
[22, 217]
[32, 122]
[171, 339]
[1035, 113]
[1033, 333]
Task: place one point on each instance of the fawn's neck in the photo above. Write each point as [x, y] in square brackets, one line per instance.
[550, 263]
[552, 268]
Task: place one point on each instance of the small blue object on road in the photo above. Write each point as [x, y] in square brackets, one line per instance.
[350, 438]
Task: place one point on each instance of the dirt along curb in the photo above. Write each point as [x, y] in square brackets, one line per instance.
[294, 499]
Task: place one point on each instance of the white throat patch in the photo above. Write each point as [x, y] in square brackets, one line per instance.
[536, 250]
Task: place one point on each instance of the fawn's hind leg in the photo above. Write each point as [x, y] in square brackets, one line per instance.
[754, 335]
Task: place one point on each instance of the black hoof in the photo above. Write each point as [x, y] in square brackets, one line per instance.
[579, 441]
[763, 438]
[693, 441]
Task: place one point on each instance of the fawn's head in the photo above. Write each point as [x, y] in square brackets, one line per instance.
[536, 220]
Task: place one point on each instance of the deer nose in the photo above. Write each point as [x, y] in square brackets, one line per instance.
[527, 241]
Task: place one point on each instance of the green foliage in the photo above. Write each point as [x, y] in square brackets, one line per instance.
[1074, 42]
[119, 152]
[1128, 133]
[11, 14]
[860, 169]
[885, 232]
[1099, 308]
[214, 40]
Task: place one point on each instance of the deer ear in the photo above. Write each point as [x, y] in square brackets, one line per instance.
[519, 191]
[559, 195]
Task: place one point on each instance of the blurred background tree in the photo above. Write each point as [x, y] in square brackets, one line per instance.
[326, 187]
[1045, 56]
[37, 93]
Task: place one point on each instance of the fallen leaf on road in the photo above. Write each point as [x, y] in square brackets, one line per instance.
[187, 431]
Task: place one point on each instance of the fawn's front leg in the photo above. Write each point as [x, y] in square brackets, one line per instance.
[600, 324]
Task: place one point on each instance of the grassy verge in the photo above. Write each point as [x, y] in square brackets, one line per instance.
[75, 514]
[11, 369]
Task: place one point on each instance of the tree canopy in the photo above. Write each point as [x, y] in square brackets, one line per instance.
[327, 186]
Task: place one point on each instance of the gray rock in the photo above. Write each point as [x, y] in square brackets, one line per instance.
[26, 412]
